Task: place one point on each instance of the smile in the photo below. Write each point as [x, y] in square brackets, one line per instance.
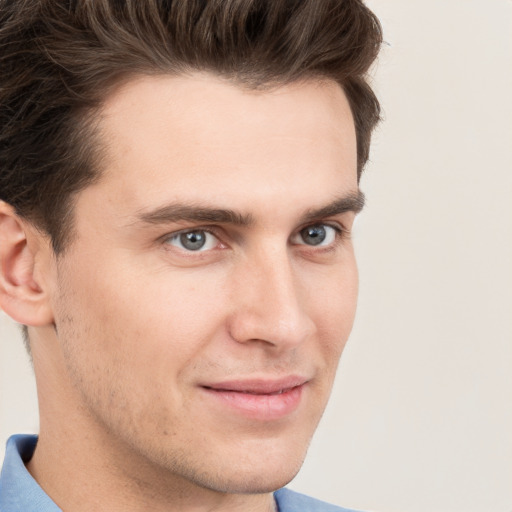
[258, 399]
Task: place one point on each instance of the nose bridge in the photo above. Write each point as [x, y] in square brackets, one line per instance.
[270, 302]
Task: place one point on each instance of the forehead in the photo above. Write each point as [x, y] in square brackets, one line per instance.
[199, 137]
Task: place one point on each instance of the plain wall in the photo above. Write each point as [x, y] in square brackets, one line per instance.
[420, 418]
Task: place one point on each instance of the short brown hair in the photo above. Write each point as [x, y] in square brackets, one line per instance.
[59, 59]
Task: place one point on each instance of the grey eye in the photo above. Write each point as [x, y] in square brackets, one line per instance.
[317, 234]
[199, 240]
[193, 241]
[313, 235]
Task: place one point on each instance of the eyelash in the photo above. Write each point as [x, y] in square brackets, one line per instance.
[340, 233]
[178, 234]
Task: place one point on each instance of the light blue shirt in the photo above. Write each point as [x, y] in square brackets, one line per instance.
[19, 492]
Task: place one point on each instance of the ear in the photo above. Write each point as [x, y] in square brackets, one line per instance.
[22, 293]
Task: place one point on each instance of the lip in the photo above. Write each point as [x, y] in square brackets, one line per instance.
[261, 399]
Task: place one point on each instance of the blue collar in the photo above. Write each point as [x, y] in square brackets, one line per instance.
[18, 490]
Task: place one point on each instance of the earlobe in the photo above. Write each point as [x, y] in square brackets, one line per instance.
[22, 296]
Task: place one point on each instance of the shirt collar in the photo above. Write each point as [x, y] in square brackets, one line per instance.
[18, 490]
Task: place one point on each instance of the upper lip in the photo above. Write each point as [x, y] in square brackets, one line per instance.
[259, 386]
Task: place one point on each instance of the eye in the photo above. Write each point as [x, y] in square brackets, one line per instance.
[196, 240]
[316, 235]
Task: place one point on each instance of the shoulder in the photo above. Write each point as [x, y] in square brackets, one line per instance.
[291, 501]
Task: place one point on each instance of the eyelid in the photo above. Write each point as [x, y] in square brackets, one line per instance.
[335, 224]
[340, 229]
[340, 232]
[213, 231]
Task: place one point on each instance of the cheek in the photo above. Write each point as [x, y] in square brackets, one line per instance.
[130, 340]
[335, 308]
[128, 314]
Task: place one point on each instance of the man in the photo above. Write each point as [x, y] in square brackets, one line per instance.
[178, 184]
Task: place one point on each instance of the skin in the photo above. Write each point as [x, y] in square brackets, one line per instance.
[144, 326]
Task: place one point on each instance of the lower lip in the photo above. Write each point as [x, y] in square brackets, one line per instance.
[264, 407]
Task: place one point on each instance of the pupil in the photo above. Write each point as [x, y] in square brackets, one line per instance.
[313, 235]
[193, 240]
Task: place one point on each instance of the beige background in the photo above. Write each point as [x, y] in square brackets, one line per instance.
[421, 415]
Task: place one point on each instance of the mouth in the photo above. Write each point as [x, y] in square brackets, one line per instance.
[260, 399]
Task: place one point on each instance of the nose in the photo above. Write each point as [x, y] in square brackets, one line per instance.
[270, 303]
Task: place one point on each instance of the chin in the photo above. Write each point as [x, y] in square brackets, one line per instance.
[263, 474]
[243, 470]
[252, 482]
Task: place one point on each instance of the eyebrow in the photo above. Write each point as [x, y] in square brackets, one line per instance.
[353, 202]
[194, 213]
[175, 212]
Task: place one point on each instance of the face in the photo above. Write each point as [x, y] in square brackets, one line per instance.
[203, 306]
